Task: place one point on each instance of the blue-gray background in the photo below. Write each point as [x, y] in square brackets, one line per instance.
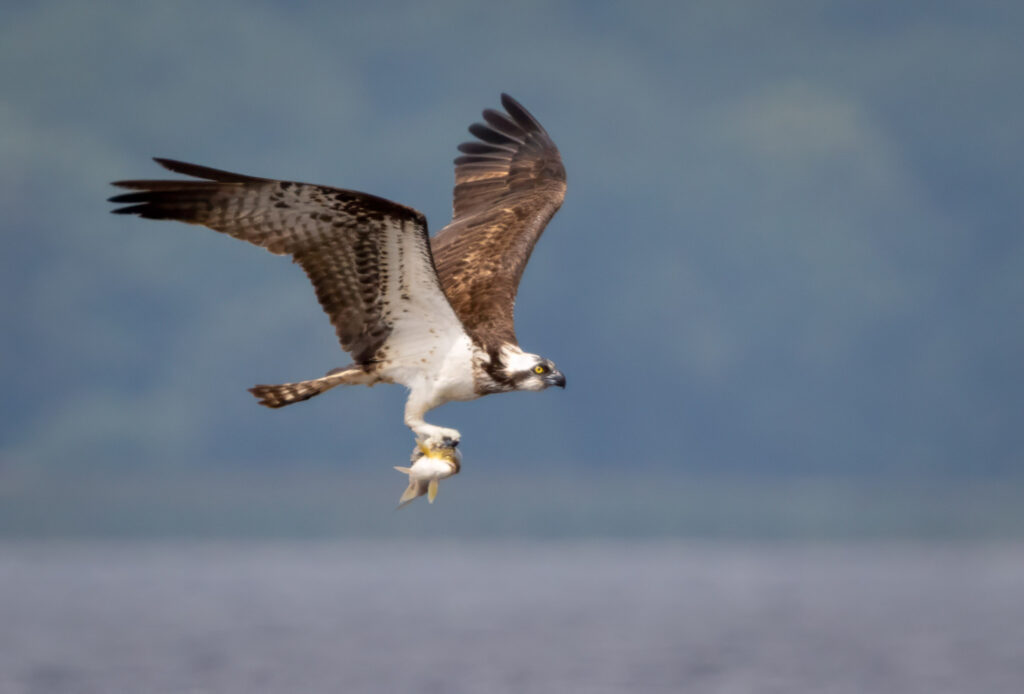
[785, 286]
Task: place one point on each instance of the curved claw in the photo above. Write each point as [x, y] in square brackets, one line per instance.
[435, 438]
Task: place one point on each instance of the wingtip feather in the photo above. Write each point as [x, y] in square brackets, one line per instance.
[519, 114]
[205, 172]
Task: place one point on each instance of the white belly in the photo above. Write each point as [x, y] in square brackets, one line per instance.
[455, 380]
[442, 374]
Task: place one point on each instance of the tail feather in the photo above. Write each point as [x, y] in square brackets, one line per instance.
[289, 393]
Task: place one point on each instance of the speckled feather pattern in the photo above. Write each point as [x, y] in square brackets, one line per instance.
[354, 247]
[435, 315]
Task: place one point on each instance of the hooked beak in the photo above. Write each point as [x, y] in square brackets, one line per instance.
[556, 378]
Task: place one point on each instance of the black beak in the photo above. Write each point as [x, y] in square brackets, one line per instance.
[556, 378]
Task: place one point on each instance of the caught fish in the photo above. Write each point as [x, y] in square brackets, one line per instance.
[429, 466]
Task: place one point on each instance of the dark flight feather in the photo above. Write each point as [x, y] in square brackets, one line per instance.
[508, 185]
[337, 236]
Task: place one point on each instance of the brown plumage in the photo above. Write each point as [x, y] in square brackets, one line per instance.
[434, 315]
[508, 185]
[334, 235]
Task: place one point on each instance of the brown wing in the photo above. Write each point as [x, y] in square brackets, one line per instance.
[345, 241]
[508, 185]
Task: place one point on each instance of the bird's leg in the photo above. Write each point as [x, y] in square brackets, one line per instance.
[429, 436]
[435, 456]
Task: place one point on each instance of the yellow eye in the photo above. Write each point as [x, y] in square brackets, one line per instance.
[539, 369]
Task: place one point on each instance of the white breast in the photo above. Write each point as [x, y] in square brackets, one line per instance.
[435, 374]
[455, 379]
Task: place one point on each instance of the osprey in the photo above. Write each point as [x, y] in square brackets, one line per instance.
[432, 314]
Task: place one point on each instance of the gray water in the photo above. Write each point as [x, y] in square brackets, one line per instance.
[477, 616]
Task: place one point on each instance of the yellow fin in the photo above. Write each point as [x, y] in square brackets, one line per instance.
[432, 490]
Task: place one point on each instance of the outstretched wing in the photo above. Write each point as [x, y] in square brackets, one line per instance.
[508, 185]
[368, 258]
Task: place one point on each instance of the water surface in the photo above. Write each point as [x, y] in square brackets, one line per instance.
[480, 616]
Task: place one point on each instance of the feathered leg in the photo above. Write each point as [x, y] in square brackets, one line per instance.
[429, 435]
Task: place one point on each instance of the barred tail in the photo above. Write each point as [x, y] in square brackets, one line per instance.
[289, 393]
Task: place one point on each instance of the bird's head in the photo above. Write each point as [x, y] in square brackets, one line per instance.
[530, 371]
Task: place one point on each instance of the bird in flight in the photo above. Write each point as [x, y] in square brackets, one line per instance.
[432, 314]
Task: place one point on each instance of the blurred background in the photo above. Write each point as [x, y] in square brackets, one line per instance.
[789, 264]
[785, 286]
